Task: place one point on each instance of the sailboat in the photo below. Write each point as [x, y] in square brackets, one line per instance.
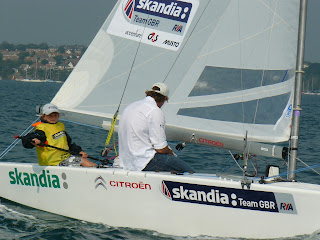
[36, 78]
[234, 70]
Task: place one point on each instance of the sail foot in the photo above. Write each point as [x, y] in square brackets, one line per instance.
[203, 138]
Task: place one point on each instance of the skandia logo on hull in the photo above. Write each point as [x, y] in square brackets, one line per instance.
[169, 9]
[44, 179]
[224, 197]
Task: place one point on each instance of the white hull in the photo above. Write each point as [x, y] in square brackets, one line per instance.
[148, 200]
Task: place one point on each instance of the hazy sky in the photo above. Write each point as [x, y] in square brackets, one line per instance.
[59, 22]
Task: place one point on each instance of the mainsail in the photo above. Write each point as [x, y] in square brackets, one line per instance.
[229, 64]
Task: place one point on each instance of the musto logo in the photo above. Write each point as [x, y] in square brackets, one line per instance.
[168, 9]
[228, 197]
[43, 179]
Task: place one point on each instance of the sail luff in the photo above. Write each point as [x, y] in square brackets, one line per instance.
[297, 96]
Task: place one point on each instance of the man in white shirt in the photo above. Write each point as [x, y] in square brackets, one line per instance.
[142, 139]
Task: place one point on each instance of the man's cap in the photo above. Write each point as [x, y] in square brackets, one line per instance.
[50, 108]
[164, 90]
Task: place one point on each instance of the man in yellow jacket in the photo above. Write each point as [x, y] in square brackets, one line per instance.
[52, 132]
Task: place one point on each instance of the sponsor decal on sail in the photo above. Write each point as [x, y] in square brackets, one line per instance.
[289, 111]
[229, 197]
[171, 43]
[169, 19]
[146, 21]
[176, 10]
[211, 142]
[177, 28]
[153, 37]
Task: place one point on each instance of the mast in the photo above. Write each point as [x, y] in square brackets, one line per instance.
[297, 95]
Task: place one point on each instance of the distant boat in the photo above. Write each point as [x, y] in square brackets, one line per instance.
[35, 76]
[31, 80]
[49, 80]
[310, 93]
[38, 80]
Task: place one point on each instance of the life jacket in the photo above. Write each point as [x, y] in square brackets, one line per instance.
[56, 136]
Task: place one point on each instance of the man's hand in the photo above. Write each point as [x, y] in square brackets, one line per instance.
[165, 150]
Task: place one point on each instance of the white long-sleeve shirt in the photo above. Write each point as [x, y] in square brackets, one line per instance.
[141, 131]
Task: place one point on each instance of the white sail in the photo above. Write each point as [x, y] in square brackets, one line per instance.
[229, 64]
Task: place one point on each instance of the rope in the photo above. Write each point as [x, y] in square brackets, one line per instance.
[88, 125]
[236, 161]
[114, 144]
[115, 116]
[226, 166]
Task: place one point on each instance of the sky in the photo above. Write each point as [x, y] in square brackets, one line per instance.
[63, 22]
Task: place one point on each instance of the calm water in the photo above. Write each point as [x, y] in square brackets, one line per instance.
[17, 107]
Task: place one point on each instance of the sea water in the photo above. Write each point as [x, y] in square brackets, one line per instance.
[17, 107]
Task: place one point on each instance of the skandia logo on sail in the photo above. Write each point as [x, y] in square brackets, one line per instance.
[168, 9]
[226, 197]
[289, 111]
[44, 179]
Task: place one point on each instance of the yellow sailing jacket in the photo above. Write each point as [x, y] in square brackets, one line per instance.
[56, 136]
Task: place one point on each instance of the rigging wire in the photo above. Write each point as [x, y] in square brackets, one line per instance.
[134, 59]
[227, 165]
[16, 141]
[115, 116]
[308, 166]
[236, 161]
[295, 171]
[264, 69]
[186, 41]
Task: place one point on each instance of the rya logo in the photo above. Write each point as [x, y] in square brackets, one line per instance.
[177, 28]
[286, 206]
